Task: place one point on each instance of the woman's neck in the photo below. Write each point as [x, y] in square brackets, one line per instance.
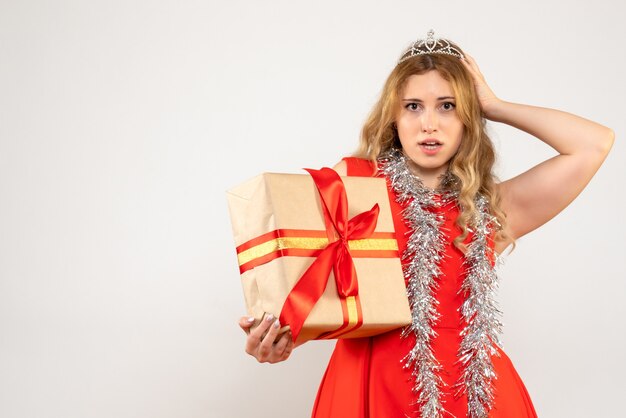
[430, 177]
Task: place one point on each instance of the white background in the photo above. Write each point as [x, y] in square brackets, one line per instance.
[123, 123]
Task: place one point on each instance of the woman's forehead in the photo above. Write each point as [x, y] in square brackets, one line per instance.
[428, 85]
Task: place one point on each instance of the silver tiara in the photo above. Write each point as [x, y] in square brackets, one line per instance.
[431, 45]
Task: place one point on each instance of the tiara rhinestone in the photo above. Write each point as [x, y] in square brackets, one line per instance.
[431, 45]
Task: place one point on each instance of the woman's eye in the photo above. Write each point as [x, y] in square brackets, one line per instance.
[412, 106]
[448, 106]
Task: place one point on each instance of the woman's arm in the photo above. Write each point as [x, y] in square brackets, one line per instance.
[341, 168]
[537, 195]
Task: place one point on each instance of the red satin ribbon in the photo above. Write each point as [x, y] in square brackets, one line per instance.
[335, 256]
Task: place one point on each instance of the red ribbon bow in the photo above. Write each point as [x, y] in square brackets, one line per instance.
[335, 256]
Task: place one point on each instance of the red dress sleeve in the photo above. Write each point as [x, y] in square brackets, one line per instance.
[360, 167]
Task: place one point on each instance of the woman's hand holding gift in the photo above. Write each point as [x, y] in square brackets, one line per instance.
[261, 342]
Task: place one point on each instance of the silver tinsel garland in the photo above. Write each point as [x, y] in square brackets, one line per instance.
[425, 250]
[481, 314]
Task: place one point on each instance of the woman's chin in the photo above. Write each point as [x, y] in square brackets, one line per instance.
[429, 165]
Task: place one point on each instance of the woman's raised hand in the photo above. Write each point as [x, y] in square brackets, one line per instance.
[261, 343]
[486, 96]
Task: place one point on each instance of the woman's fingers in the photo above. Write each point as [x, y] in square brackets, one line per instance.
[282, 343]
[245, 322]
[288, 349]
[263, 343]
[262, 328]
[471, 65]
[256, 335]
[486, 96]
[471, 61]
[284, 346]
[267, 349]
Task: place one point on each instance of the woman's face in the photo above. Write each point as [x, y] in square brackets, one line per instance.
[429, 128]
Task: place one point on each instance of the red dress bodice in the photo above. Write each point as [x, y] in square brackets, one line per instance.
[366, 377]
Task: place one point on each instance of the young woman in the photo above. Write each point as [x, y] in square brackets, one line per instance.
[426, 136]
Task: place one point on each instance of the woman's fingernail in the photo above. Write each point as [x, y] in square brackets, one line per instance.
[277, 324]
[269, 318]
[250, 319]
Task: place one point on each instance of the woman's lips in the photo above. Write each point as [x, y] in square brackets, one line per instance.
[430, 147]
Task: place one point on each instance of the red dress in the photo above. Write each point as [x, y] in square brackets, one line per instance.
[365, 377]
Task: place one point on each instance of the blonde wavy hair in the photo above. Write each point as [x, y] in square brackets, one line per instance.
[474, 160]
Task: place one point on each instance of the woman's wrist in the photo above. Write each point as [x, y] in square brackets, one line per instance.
[493, 109]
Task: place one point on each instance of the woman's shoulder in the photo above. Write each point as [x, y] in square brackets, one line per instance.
[356, 166]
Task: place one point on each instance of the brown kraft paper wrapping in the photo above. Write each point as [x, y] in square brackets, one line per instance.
[271, 202]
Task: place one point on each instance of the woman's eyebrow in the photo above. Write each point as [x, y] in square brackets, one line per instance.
[420, 100]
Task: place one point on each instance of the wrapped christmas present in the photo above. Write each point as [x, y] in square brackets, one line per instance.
[319, 252]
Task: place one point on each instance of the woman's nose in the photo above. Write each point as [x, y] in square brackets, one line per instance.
[429, 121]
